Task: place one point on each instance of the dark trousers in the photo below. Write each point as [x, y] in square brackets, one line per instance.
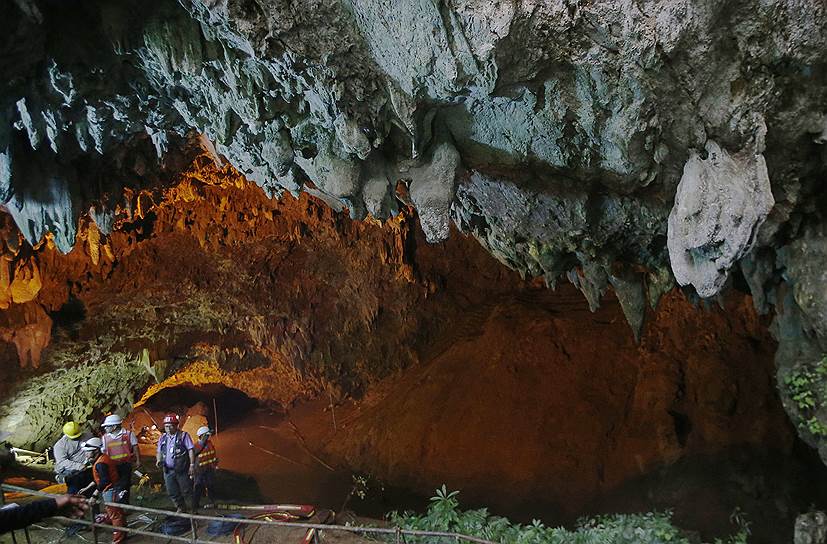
[179, 487]
[125, 479]
[204, 481]
[78, 480]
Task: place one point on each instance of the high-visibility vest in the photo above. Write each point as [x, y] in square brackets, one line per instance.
[111, 469]
[119, 449]
[208, 458]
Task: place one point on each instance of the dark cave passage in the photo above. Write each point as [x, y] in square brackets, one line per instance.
[222, 406]
[263, 455]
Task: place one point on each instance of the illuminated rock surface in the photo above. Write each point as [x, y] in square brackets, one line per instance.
[627, 148]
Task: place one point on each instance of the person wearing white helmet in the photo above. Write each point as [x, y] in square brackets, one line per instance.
[108, 484]
[122, 447]
[206, 462]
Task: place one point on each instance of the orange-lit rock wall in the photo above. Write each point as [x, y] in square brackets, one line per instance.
[509, 389]
[211, 271]
[530, 402]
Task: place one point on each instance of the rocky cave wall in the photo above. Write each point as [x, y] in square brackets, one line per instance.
[444, 365]
[211, 281]
[526, 408]
[632, 144]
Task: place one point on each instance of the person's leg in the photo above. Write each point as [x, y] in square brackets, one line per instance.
[78, 480]
[171, 482]
[74, 483]
[125, 479]
[117, 518]
[209, 485]
[185, 485]
[68, 478]
[198, 490]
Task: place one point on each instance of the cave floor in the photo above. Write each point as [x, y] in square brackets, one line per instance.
[51, 532]
[269, 456]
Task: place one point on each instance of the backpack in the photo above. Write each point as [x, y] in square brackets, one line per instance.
[179, 453]
[173, 525]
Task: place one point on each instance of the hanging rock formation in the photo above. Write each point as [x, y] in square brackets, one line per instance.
[719, 207]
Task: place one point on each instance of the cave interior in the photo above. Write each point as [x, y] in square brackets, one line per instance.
[565, 258]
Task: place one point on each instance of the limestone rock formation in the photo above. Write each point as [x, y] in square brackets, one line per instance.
[616, 143]
[811, 528]
[720, 205]
[29, 328]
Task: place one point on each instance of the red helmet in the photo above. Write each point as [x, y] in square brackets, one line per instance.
[171, 418]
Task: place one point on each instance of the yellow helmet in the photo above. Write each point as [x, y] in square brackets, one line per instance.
[72, 430]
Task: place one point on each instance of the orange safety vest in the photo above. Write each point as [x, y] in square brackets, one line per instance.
[111, 469]
[119, 449]
[207, 458]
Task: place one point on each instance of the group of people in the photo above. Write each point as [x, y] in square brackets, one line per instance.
[103, 466]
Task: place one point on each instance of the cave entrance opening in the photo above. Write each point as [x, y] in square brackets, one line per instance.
[267, 454]
[221, 406]
[227, 412]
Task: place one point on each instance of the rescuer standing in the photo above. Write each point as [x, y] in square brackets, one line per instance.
[122, 447]
[207, 463]
[177, 458]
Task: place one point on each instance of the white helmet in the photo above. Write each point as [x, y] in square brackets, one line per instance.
[92, 444]
[114, 419]
[202, 431]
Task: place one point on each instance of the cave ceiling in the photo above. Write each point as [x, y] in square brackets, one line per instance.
[631, 146]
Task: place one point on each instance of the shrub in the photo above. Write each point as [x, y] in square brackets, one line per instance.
[648, 528]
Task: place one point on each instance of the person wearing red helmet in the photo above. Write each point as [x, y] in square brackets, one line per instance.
[176, 457]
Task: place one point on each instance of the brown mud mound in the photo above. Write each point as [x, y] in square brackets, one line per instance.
[537, 414]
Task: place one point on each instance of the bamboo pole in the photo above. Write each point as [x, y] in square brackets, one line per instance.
[319, 526]
[215, 414]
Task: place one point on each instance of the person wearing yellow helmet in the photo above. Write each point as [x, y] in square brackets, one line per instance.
[70, 461]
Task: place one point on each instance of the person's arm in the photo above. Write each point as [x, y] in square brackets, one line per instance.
[18, 517]
[86, 491]
[191, 452]
[136, 451]
[158, 454]
[103, 476]
[79, 460]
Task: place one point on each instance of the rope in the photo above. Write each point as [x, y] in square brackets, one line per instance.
[248, 521]
[130, 530]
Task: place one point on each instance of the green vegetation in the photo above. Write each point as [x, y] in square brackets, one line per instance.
[648, 528]
[81, 393]
[806, 387]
